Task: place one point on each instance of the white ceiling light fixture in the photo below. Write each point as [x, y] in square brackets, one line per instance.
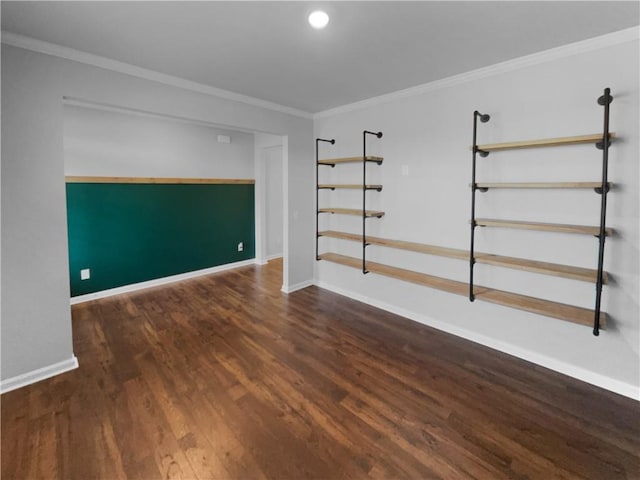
[318, 19]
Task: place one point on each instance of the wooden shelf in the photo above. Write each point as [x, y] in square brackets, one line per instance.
[159, 180]
[336, 161]
[439, 283]
[539, 306]
[400, 244]
[351, 186]
[547, 227]
[562, 311]
[545, 142]
[545, 268]
[351, 211]
[542, 185]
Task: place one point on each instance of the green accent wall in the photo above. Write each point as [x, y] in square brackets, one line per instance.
[130, 233]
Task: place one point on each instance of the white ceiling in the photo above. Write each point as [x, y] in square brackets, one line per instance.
[267, 50]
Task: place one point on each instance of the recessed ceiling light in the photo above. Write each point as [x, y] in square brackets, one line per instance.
[318, 19]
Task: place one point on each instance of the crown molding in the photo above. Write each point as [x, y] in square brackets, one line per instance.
[28, 43]
[583, 46]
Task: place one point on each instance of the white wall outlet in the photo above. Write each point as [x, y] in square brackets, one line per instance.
[240, 246]
[85, 274]
[405, 170]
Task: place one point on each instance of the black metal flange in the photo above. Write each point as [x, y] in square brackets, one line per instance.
[602, 99]
[600, 144]
[598, 190]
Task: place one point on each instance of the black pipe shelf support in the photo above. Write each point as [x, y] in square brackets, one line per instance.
[605, 101]
[332, 142]
[364, 196]
[484, 118]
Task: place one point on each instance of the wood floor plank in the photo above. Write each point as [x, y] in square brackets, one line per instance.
[226, 377]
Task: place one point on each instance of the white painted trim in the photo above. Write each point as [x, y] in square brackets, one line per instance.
[28, 43]
[298, 286]
[34, 376]
[159, 281]
[274, 256]
[596, 379]
[597, 43]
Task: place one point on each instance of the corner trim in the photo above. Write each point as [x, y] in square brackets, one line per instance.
[28, 43]
[37, 375]
[578, 373]
[298, 286]
[159, 281]
[563, 51]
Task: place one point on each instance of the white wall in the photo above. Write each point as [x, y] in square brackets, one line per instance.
[430, 134]
[273, 187]
[36, 321]
[98, 142]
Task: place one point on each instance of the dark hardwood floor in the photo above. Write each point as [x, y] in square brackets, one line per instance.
[226, 377]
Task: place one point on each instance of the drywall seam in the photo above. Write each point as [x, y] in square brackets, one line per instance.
[601, 381]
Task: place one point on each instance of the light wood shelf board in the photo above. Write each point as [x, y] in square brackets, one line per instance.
[402, 245]
[432, 281]
[544, 142]
[546, 268]
[539, 306]
[351, 211]
[547, 227]
[352, 186]
[562, 311]
[542, 185]
[335, 161]
[159, 180]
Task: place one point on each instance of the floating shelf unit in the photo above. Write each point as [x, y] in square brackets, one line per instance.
[602, 142]
[364, 186]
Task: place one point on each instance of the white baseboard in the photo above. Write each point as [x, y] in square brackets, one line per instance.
[159, 281]
[274, 256]
[573, 371]
[297, 286]
[36, 375]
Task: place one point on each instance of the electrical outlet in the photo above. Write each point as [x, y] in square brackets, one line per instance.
[85, 274]
[240, 246]
[405, 170]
